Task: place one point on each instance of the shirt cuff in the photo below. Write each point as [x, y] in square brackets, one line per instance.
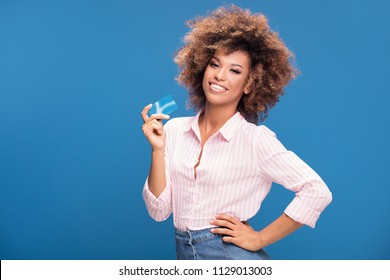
[301, 213]
[151, 200]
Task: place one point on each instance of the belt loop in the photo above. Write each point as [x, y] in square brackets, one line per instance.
[190, 235]
[194, 253]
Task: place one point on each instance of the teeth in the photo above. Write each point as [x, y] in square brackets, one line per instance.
[217, 87]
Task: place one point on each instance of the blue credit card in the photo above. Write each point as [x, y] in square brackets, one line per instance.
[165, 105]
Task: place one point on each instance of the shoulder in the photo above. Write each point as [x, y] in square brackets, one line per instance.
[263, 140]
[259, 131]
[265, 131]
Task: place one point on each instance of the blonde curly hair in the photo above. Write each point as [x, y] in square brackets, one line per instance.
[231, 29]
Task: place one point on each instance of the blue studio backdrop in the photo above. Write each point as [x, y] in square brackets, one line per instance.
[75, 75]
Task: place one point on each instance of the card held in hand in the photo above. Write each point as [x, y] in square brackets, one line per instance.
[165, 105]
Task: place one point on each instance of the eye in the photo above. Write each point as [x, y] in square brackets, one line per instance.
[235, 71]
[213, 64]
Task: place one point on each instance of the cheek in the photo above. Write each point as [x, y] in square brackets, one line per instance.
[204, 81]
[206, 76]
[239, 84]
[207, 72]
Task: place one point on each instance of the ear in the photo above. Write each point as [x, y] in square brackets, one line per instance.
[248, 85]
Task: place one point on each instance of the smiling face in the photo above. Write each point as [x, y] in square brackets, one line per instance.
[226, 78]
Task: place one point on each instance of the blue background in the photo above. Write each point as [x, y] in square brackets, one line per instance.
[74, 76]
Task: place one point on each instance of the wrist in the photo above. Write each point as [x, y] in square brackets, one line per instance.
[260, 240]
[157, 151]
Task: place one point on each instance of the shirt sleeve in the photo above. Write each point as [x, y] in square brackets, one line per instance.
[160, 208]
[287, 169]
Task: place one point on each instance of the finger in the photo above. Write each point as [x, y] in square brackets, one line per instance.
[159, 117]
[145, 111]
[228, 218]
[158, 129]
[153, 127]
[157, 124]
[222, 223]
[151, 123]
[222, 231]
[228, 239]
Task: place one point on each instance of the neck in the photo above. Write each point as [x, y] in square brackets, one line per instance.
[215, 117]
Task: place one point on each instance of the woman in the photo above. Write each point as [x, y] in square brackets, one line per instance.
[212, 171]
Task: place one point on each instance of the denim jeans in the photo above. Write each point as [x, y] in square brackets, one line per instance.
[204, 245]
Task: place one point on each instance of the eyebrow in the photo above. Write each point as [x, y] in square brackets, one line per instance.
[232, 64]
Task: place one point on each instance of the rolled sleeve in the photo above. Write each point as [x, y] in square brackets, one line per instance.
[309, 203]
[159, 208]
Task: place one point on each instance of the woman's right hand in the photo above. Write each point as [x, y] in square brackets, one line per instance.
[153, 128]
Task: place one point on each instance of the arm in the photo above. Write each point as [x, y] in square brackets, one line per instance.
[154, 133]
[284, 168]
[156, 178]
[244, 236]
[277, 230]
[157, 192]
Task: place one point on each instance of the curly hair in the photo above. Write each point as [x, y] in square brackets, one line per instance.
[231, 29]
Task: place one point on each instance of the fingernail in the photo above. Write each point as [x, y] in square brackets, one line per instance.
[167, 116]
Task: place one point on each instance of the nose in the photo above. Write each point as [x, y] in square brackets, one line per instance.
[220, 75]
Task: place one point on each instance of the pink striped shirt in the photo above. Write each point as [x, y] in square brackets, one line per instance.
[235, 174]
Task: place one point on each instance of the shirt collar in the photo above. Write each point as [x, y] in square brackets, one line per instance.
[227, 131]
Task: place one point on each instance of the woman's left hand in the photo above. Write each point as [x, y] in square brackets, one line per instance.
[236, 232]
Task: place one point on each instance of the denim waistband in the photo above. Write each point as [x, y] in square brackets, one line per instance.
[194, 236]
[205, 245]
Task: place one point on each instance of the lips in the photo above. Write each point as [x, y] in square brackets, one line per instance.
[217, 87]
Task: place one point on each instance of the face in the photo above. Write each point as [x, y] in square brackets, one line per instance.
[226, 78]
